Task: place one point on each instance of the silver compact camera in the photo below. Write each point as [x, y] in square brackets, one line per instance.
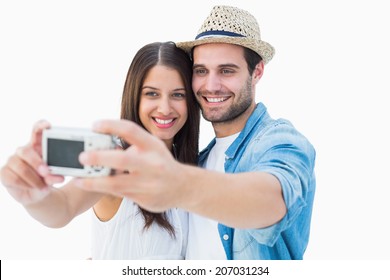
[61, 147]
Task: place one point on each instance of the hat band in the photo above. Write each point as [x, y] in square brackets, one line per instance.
[217, 33]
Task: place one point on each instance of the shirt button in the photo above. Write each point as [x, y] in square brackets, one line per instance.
[225, 237]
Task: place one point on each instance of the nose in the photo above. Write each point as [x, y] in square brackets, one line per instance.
[212, 83]
[164, 106]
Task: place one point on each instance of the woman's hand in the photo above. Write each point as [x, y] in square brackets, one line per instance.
[25, 175]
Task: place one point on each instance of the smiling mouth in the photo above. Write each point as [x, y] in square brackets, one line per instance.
[163, 122]
[216, 99]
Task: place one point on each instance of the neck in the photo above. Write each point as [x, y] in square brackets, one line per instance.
[224, 129]
[169, 144]
[171, 147]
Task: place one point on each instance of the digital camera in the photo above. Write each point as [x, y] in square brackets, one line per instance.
[62, 146]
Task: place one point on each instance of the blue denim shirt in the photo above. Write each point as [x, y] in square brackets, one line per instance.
[275, 147]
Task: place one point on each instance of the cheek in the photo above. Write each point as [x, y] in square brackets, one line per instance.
[144, 111]
[235, 85]
[146, 106]
[181, 109]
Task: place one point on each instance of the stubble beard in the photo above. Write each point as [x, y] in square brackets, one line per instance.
[245, 99]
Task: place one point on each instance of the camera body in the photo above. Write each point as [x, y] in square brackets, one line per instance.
[61, 147]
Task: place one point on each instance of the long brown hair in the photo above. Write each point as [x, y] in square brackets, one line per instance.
[186, 141]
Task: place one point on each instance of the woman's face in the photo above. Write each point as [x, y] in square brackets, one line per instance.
[163, 107]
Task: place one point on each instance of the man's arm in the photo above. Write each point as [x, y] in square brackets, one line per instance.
[242, 200]
[156, 181]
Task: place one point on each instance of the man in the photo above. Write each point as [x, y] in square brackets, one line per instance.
[258, 201]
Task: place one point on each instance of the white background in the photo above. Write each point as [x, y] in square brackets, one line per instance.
[66, 61]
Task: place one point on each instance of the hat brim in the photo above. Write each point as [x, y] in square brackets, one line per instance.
[264, 49]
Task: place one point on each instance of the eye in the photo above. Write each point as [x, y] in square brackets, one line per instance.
[151, 93]
[178, 95]
[200, 71]
[227, 71]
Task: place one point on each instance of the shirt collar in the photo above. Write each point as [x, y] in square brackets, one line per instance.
[251, 123]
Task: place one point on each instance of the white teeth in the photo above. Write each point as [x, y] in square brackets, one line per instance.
[216, 99]
[160, 121]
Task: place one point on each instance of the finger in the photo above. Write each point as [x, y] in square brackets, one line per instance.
[30, 156]
[118, 185]
[128, 131]
[54, 179]
[125, 185]
[22, 174]
[13, 181]
[31, 167]
[36, 134]
[114, 159]
[50, 179]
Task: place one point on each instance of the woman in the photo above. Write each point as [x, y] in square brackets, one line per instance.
[158, 96]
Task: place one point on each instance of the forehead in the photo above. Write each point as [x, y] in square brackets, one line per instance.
[163, 76]
[223, 53]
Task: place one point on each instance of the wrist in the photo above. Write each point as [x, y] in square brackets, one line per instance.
[36, 197]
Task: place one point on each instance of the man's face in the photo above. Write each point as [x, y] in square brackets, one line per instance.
[221, 82]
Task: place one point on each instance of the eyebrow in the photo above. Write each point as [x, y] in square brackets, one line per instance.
[149, 87]
[153, 88]
[231, 65]
[197, 65]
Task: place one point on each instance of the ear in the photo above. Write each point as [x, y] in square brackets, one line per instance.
[258, 72]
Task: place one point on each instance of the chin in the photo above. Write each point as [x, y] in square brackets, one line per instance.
[164, 136]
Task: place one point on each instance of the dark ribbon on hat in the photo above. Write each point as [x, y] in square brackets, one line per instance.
[218, 32]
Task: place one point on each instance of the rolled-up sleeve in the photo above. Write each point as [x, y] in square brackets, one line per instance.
[289, 156]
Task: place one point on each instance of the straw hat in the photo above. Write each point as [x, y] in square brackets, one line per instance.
[231, 25]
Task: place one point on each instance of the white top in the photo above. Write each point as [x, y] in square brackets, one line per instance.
[124, 238]
[204, 242]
